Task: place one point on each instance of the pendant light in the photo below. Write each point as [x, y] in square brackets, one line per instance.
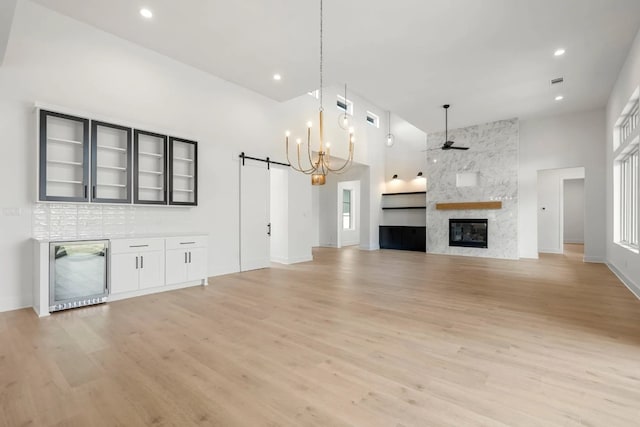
[390, 139]
[343, 118]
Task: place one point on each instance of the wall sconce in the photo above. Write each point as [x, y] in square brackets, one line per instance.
[395, 176]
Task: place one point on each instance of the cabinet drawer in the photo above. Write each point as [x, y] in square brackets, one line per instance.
[187, 242]
[120, 246]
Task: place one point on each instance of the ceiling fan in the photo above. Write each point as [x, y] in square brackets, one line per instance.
[448, 145]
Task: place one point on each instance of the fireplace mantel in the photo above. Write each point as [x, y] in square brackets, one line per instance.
[468, 206]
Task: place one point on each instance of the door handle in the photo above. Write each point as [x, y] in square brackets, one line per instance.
[141, 261]
[93, 192]
[185, 257]
[189, 257]
[136, 263]
[269, 229]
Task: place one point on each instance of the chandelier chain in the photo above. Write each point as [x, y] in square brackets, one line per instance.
[321, 55]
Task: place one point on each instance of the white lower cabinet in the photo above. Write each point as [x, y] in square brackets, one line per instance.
[136, 264]
[145, 264]
[186, 259]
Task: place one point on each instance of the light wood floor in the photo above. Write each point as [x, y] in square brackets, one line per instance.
[355, 338]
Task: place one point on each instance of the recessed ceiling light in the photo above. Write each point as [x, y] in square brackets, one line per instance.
[146, 13]
[559, 52]
[277, 77]
[559, 98]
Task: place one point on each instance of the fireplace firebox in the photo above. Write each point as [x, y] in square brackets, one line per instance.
[468, 233]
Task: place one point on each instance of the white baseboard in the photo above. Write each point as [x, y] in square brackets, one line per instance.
[141, 292]
[328, 245]
[594, 259]
[289, 261]
[633, 287]
[369, 247]
[574, 242]
[551, 251]
[10, 304]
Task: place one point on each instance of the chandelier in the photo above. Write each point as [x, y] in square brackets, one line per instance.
[319, 161]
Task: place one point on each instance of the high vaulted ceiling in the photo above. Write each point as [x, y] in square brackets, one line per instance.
[490, 59]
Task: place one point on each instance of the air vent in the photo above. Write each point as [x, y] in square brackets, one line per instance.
[557, 80]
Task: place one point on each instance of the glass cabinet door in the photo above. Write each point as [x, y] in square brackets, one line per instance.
[150, 175]
[183, 172]
[111, 150]
[64, 158]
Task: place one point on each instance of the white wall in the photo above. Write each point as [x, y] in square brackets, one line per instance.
[623, 261]
[551, 207]
[564, 141]
[574, 211]
[349, 237]
[7, 8]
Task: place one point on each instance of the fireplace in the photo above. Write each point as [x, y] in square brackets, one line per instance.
[468, 233]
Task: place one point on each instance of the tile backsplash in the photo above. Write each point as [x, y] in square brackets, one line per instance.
[56, 221]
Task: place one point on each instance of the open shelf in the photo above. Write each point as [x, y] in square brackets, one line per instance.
[177, 175]
[104, 184]
[65, 141]
[146, 153]
[142, 187]
[108, 147]
[64, 162]
[402, 194]
[115, 168]
[404, 207]
[180, 190]
[151, 172]
[183, 159]
[64, 181]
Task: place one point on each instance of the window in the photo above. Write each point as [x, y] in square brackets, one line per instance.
[628, 193]
[347, 217]
[372, 119]
[629, 124]
[345, 105]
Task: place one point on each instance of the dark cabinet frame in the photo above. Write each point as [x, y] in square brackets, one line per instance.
[136, 167]
[94, 161]
[195, 172]
[42, 184]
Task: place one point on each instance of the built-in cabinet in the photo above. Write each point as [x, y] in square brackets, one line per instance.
[110, 163]
[404, 221]
[83, 160]
[185, 259]
[64, 158]
[183, 170]
[137, 266]
[150, 168]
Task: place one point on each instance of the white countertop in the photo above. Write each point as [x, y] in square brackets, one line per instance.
[128, 236]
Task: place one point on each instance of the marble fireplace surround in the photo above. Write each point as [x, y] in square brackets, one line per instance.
[493, 159]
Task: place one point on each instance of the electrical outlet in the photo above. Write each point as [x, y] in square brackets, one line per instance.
[11, 212]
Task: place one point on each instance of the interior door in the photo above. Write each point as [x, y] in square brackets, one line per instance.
[254, 216]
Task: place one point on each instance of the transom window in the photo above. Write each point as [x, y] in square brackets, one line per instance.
[372, 119]
[345, 105]
[629, 124]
